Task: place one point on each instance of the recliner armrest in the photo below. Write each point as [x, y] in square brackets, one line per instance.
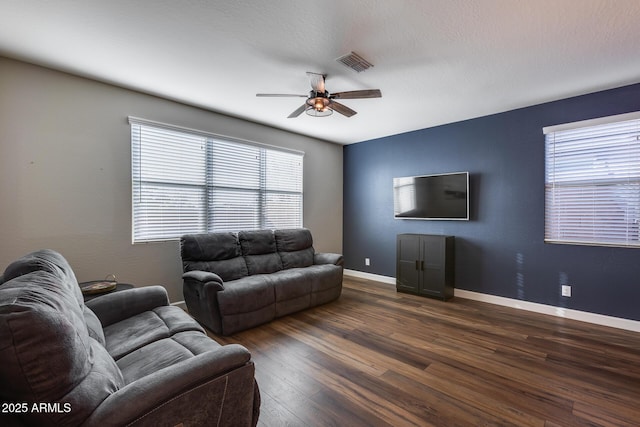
[117, 306]
[328, 258]
[169, 396]
[203, 280]
[202, 276]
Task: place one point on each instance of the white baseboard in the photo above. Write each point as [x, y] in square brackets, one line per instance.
[369, 276]
[583, 316]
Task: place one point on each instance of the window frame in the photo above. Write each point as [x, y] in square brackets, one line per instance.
[261, 193]
[592, 182]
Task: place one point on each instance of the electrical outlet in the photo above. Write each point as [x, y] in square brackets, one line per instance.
[566, 290]
[367, 261]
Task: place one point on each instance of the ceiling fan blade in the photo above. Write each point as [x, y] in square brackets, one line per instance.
[317, 81]
[280, 95]
[342, 109]
[356, 94]
[298, 111]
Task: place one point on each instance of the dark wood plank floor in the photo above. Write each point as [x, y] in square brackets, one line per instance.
[380, 358]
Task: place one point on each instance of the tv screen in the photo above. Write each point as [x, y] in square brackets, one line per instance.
[443, 196]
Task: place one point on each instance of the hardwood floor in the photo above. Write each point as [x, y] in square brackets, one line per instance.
[380, 358]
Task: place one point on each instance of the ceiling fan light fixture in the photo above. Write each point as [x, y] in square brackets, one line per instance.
[311, 111]
[318, 107]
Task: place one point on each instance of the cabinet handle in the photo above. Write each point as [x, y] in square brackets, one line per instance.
[417, 265]
[422, 265]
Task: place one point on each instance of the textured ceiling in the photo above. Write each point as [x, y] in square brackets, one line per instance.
[435, 62]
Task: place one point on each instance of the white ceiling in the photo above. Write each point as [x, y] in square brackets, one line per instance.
[435, 62]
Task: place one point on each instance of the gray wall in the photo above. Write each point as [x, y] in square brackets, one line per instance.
[66, 175]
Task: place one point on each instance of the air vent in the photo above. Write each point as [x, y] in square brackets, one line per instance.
[355, 62]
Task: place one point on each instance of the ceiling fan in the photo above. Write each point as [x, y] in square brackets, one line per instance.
[321, 103]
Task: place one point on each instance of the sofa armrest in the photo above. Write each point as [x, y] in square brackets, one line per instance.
[200, 290]
[204, 277]
[117, 306]
[216, 386]
[328, 258]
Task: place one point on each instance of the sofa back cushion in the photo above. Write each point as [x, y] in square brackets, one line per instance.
[53, 262]
[46, 260]
[295, 247]
[46, 352]
[259, 251]
[215, 252]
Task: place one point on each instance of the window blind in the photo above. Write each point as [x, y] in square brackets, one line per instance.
[592, 184]
[186, 181]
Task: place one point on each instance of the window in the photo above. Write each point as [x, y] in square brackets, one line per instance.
[186, 181]
[592, 182]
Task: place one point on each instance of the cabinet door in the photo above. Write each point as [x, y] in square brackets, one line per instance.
[408, 256]
[432, 265]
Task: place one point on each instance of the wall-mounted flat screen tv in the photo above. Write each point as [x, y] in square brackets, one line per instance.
[442, 196]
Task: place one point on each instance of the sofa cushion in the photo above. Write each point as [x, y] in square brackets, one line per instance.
[293, 291]
[290, 284]
[245, 295]
[295, 247]
[209, 246]
[45, 260]
[324, 276]
[216, 252]
[259, 251]
[164, 353]
[135, 332]
[297, 259]
[257, 242]
[263, 264]
[47, 353]
[293, 239]
[53, 262]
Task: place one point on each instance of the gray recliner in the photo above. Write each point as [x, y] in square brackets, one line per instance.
[125, 358]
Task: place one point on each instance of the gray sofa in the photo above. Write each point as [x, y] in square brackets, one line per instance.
[125, 358]
[235, 281]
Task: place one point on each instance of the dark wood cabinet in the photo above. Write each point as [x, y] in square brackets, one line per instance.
[425, 265]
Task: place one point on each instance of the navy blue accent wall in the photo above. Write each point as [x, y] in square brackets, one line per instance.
[500, 251]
